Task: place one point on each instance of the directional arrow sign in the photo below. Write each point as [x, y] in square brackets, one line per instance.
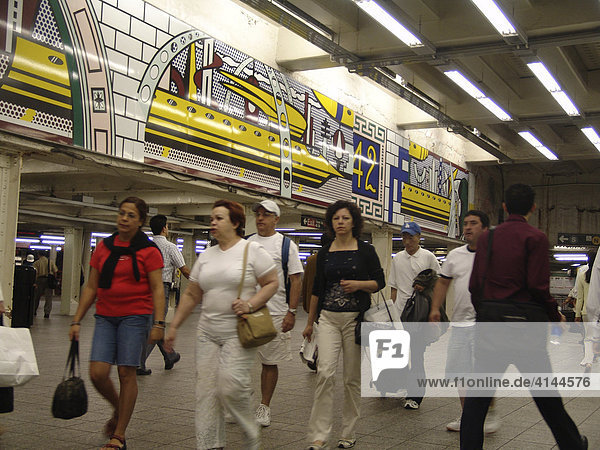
[578, 239]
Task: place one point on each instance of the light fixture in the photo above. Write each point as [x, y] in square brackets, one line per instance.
[305, 233]
[538, 145]
[477, 94]
[319, 28]
[592, 136]
[552, 86]
[570, 257]
[496, 17]
[27, 240]
[389, 22]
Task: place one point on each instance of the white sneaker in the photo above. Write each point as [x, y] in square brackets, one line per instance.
[411, 404]
[492, 422]
[454, 425]
[263, 415]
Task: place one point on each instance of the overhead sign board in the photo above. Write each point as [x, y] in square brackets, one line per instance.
[578, 239]
[312, 222]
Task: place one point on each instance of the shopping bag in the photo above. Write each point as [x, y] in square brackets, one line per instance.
[382, 311]
[18, 364]
[70, 397]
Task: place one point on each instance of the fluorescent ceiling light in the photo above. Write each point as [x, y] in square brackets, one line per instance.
[565, 102]
[550, 83]
[545, 77]
[306, 22]
[389, 22]
[496, 17]
[538, 145]
[592, 136]
[465, 84]
[494, 109]
[476, 93]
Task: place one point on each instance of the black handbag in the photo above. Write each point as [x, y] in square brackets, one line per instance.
[70, 398]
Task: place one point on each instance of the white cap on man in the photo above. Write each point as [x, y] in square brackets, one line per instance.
[269, 205]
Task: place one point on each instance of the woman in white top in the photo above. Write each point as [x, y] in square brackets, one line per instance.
[223, 366]
[582, 285]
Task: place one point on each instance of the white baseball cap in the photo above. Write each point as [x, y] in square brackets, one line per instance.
[269, 205]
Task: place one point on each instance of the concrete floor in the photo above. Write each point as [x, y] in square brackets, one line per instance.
[164, 414]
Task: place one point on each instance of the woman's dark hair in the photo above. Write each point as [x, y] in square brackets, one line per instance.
[236, 214]
[357, 220]
[140, 205]
[591, 258]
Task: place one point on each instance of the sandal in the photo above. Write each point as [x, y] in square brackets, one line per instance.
[317, 445]
[123, 445]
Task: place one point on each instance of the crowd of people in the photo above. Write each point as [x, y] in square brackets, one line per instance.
[131, 277]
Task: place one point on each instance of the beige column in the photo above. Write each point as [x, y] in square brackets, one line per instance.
[382, 241]
[71, 270]
[86, 255]
[250, 221]
[10, 182]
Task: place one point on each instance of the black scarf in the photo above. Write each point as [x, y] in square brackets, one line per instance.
[139, 241]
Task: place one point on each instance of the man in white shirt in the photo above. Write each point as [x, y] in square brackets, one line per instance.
[408, 263]
[458, 267]
[172, 260]
[284, 316]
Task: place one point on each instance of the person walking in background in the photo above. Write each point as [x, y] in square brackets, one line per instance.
[406, 265]
[126, 277]
[44, 268]
[223, 366]
[582, 285]
[173, 260]
[310, 270]
[512, 284]
[348, 272]
[282, 305]
[457, 268]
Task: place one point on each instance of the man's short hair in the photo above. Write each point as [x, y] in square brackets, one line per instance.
[483, 217]
[157, 223]
[519, 199]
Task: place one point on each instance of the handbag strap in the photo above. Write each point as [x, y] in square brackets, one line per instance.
[386, 306]
[487, 261]
[244, 261]
[73, 356]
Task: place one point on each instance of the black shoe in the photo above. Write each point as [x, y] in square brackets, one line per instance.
[170, 362]
[141, 371]
[584, 442]
[46, 316]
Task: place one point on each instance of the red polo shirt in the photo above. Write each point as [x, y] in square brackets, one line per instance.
[519, 267]
[126, 296]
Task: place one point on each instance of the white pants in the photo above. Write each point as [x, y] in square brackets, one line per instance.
[588, 345]
[223, 369]
[336, 334]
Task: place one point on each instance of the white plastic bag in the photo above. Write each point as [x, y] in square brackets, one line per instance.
[308, 350]
[379, 313]
[18, 364]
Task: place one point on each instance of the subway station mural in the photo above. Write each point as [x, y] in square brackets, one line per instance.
[158, 91]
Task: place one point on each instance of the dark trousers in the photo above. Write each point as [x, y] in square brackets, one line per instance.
[496, 347]
[417, 370]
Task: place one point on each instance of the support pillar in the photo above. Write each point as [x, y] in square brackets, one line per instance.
[250, 220]
[189, 255]
[71, 269]
[382, 241]
[86, 255]
[10, 183]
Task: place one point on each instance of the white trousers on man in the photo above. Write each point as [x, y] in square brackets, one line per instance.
[223, 377]
[336, 334]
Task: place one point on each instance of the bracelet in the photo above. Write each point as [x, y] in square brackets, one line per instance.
[75, 323]
[159, 322]
[158, 326]
[250, 307]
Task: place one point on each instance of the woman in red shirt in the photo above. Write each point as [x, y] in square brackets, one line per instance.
[126, 277]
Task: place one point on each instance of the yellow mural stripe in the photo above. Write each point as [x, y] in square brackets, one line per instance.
[27, 59]
[433, 209]
[424, 213]
[39, 83]
[36, 97]
[165, 152]
[417, 152]
[242, 170]
[192, 89]
[29, 115]
[331, 106]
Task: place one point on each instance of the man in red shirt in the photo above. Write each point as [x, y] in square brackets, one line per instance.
[511, 283]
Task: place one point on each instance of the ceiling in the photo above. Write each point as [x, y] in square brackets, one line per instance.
[564, 35]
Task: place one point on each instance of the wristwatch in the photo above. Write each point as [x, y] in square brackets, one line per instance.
[292, 310]
[159, 322]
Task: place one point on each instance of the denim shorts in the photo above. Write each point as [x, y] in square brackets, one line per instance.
[119, 340]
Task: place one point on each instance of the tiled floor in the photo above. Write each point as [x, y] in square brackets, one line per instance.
[163, 416]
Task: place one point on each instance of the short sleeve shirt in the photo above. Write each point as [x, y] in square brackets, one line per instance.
[218, 273]
[126, 296]
[458, 267]
[172, 257]
[272, 244]
[405, 268]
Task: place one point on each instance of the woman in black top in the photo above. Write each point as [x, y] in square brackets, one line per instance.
[348, 271]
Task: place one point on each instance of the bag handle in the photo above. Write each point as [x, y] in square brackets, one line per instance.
[241, 285]
[73, 356]
[386, 306]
